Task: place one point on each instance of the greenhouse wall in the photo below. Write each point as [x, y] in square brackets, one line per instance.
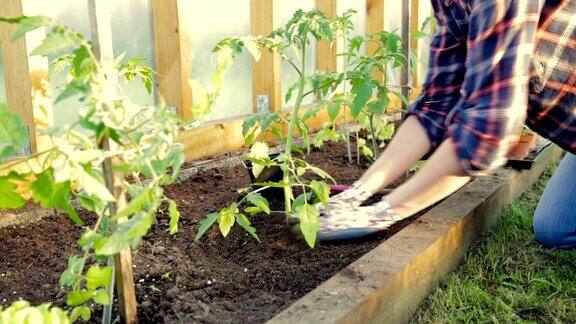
[205, 23]
[2, 82]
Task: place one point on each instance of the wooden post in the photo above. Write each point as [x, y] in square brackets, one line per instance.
[124, 276]
[374, 24]
[28, 90]
[266, 73]
[405, 73]
[414, 26]
[326, 59]
[173, 55]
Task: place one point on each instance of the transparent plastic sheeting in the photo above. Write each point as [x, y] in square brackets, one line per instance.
[2, 82]
[209, 22]
[132, 33]
[285, 11]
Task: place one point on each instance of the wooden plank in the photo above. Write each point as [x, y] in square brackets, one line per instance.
[28, 89]
[225, 136]
[387, 284]
[99, 13]
[173, 54]
[374, 24]
[266, 73]
[326, 59]
[414, 26]
[405, 73]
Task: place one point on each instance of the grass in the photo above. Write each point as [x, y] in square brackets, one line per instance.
[507, 276]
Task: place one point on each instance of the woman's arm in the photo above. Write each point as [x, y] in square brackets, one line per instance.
[441, 176]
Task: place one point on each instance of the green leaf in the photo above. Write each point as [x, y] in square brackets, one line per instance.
[74, 87]
[301, 200]
[8, 196]
[259, 201]
[244, 222]
[363, 94]
[101, 297]
[67, 278]
[139, 203]
[227, 218]
[127, 233]
[309, 223]
[174, 217]
[50, 194]
[82, 312]
[54, 43]
[206, 223]
[321, 173]
[27, 24]
[259, 150]
[322, 191]
[78, 297]
[92, 186]
[13, 132]
[98, 277]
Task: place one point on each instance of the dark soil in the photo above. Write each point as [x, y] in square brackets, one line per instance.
[216, 280]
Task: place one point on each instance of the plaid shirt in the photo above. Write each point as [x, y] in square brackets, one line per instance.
[494, 65]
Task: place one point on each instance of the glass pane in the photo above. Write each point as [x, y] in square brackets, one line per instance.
[425, 11]
[133, 33]
[73, 14]
[393, 23]
[211, 21]
[358, 19]
[2, 83]
[289, 76]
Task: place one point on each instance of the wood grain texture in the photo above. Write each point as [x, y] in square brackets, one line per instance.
[266, 73]
[28, 89]
[374, 24]
[173, 54]
[415, 26]
[326, 59]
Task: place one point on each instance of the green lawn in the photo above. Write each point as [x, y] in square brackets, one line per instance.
[507, 276]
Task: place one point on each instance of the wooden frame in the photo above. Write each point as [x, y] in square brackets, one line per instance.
[374, 24]
[173, 55]
[326, 59]
[28, 89]
[414, 26]
[267, 72]
[173, 62]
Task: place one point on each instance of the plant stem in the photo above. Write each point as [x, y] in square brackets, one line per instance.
[288, 194]
[344, 88]
[373, 135]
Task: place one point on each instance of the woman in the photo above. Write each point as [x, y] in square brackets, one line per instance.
[494, 65]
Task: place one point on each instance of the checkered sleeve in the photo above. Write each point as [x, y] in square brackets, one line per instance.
[441, 88]
[492, 109]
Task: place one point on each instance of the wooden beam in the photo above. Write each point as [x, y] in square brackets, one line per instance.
[225, 136]
[173, 55]
[28, 90]
[414, 26]
[101, 28]
[405, 73]
[266, 73]
[326, 59]
[374, 24]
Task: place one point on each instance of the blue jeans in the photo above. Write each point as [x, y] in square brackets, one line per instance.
[555, 216]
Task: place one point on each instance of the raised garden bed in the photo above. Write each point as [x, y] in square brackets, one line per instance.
[214, 280]
[387, 284]
[239, 279]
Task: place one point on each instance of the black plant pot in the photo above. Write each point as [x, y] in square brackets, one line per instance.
[269, 174]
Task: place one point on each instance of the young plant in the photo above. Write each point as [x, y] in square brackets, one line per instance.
[114, 140]
[292, 43]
